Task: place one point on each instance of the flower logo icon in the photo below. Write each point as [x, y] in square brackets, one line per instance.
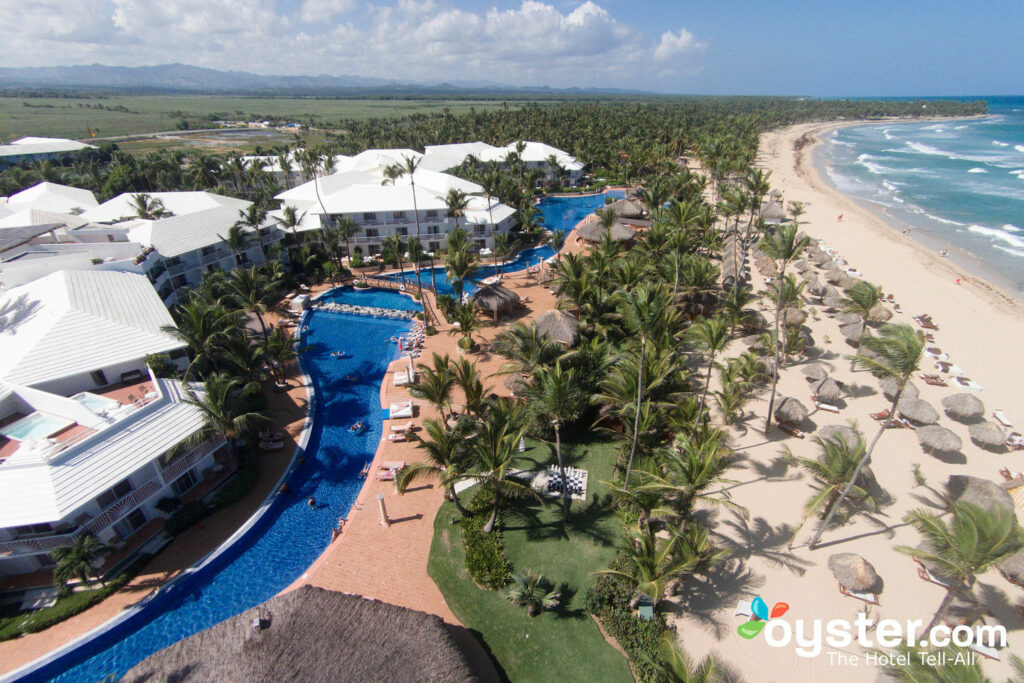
[759, 608]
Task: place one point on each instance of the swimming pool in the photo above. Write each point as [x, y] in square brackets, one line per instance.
[97, 404]
[35, 426]
[290, 536]
[371, 296]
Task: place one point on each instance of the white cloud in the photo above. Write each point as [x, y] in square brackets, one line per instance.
[313, 11]
[675, 44]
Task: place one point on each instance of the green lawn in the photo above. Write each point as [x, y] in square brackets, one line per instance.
[563, 644]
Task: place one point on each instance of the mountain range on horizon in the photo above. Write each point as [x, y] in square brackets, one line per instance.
[185, 78]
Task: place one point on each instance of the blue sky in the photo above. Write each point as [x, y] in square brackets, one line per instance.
[823, 48]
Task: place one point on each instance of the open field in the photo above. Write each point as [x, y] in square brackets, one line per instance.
[74, 117]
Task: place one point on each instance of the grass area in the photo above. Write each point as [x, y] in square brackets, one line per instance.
[564, 643]
[74, 117]
[13, 625]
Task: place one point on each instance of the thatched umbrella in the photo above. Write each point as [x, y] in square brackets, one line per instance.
[879, 313]
[831, 267]
[626, 208]
[854, 572]
[494, 298]
[938, 439]
[917, 410]
[981, 492]
[827, 390]
[775, 195]
[772, 212]
[889, 387]
[312, 634]
[817, 287]
[591, 232]
[989, 436]
[810, 277]
[820, 258]
[802, 265]
[790, 410]
[832, 300]
[793, 317]
[622, 233]
[848, 319]
[516, 384]
[839, 278]
[964, 407]
[1013, 568]
[845, 434]
[815, 372]
[560, 326]
[850, 331]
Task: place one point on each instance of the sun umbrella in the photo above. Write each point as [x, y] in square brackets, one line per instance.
[801, 265]
[879, 314]
[851, 331]
[627, 209]
[793, 317]
[790, 410]
[964, 407]
[1013, 567]
[817, 287]
[559, 326]
[938, 439]
[854, 572]
[845, 434]
[917, 410]
[831, 267]
[889, 387]
[820, 258]
[981, 492]
[815, 372]
[827, 390]
[988, 435]
[751, 340]
[832, 300]
[848, 319]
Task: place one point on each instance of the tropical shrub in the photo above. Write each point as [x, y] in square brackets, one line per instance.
[185, 516]
[486, 562]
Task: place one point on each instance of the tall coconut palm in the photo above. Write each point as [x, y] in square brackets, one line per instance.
[278, 349]
[408, 167]
[492, 452]
[250, 289]
[651, 561]
[756, 183]
[79, 559]
[861, 299]
[417, 254]
[237, 240]
[253, 217]
[460, 266]
[393, 251]
[204, 327]
[973, 541]
[345, 230]
[711, 336]
[445, 450]
[783, 247]
[224, 406]
[467, 316]
[556, 395]
[290, 219]
[467, 379]
[148, 207]
[502, 248]
[895, 355]
[435, 383]
[525, 348]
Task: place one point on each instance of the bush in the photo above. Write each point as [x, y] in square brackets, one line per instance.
[467, 343]
[162, 365]
[419, 315]
[185, 516]
[168, 504]
[240, 484]
[486, 563]
[430, 330]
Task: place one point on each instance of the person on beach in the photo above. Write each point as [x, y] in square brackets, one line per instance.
[840, 219]
[311, 502]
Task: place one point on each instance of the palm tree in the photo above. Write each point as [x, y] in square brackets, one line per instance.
[525, 348]
[290, 219]
[492, 452]
[205, 327]
[675, 665]
[556, 395]
[278, 349]
[973, 541]
[467, 378]
[393, 251]
[253, 217]
[445, 449]
[467, 316]
[502, 248]
[237, 240]
[148, 208]
[79, 559]
[408, 167]
[435, 383]
[460, 265]
[346, 230]
[832, 471]
[417, 254]
[532, 591]
[896, 355]
[251, 290]
[782, 247]
[755, 182]
[862, 297]
[710, 335]
[645, 311]
[224, 408]
[650, 561]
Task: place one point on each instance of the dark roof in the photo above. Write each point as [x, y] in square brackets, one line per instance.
[312, 634]
[494, 298]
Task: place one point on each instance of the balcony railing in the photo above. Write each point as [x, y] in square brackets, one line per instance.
[182, 463]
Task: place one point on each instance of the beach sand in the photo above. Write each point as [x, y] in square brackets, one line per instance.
[981, 329]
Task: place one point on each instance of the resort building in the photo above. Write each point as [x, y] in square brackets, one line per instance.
[38, 149]
[91, 439]
[557, 165]
[358, 191]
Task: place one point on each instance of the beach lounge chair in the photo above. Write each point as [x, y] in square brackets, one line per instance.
[985, 651]
[879, 416]
[271, 445]
[1001, 418]
[404, 427]
[743, 609]
[398, 437]
[870, 598]
[967, 383]
[934, 381]
[791, 429]
[393, 464]
[925, 575]
[385, 475]
[402, 379]
[828, 407]
[900, 422]
[400, 410]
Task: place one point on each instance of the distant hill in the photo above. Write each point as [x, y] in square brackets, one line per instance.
[183, 78]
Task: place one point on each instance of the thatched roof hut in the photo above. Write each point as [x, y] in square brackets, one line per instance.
[851, 331]
[815, 372]
[936, 439]
[772, 212]
[789, 409]
[981, 492]
[827, 390]
[516, 384]
[965, 407]
[560, 326]
[889, 387]
[989, 436]
[917, 410]
[854, 572]
[841, 432]
[879, 313]
[595, 232]
[626, 208]
[311, 634]
[494, 298]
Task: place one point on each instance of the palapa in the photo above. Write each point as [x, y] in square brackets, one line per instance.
[802, 265]
[560, 326]
[312, 634]
[516, 384]
[815, 372]
[879, 313]
[981, 492]
[989, 436]
[494, 298]
[793, 317]
[790, 410]
[855, 573]
[964, 407]
[841, 432]
[848, 319]
[827, 390]
[889, 387]
[851, 331]
[917, 411]
[772, 212]
[832, 300]
[1013, 567]
[595, 232]
[938, 439]
[626, 208]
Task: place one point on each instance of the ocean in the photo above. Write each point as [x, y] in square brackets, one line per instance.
[956, 185]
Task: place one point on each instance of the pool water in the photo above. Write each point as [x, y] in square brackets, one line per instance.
[287, 540]
[371, 296]
[35, 426]
[96, 404]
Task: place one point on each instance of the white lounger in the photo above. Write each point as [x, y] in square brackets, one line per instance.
[743, 609]
[402, 378]
[402, 427]
[400, 410]
[1001, 418]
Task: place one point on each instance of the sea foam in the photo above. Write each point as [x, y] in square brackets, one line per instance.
[997, 234]
[1019, 148]
[1000, 144]
[977, 170]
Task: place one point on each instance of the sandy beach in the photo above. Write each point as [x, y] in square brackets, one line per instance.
[980, 328]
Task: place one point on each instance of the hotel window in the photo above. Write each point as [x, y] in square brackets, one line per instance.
[131, 523]
[433, 229]
[372, 232]
[481, 243]
[403, 231]
[432, 213]
[32, 530]
[434, 246]
[398, 215]
[184, 482]
[98, 378]
[116, 492]
[370, 216]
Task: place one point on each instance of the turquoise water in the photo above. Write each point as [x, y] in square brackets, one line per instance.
[371, 296]
[957, 183]
[35, 426]
[96, 404]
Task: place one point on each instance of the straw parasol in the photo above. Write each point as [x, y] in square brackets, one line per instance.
[989, 436]
[938, 439]
[879, 314]
[848, 319]
[793, 317]
[832, 300]
[850, 331]
[802, 265]
[516, 384]
[773, 212]
[494, 298]
[827, 390]
[591, 232]
[790, 410]
[845, 434]
[312, 634]
[917, 410]
[625, 208]
[981, 492]
[964, 407]
[855, 573]
[815, 372]
[1013, 568]
[560, 326]
[889, 387]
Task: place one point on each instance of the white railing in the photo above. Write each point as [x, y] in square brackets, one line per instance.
[182, 463]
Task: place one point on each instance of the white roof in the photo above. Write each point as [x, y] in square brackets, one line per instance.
[374, 159]
[37, 491]
[181, 234]
[178, 203]
[52, 197]
[24, 217]
[76, 321]
[477, 213]
[441, 157]
[24, 146]
[538, 151]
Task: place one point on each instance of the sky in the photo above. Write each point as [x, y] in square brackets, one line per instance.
[797, 47]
